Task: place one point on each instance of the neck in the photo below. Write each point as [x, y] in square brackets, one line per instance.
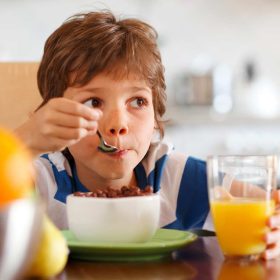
[93, 181]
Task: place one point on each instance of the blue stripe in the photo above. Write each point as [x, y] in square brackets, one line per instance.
[192, 204]
[153, 179]
[79, 186]
[45, 156]
[64, 185]
[63, 181]
[156, 175]
[141, 176]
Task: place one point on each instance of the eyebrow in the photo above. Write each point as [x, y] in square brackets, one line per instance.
[130, 89]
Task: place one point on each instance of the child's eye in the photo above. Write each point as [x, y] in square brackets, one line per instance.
[138, 102]
[93, 103]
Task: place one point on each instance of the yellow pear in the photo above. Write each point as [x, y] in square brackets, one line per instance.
[52, 252]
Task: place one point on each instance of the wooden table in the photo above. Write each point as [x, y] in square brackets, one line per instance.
[201, 259]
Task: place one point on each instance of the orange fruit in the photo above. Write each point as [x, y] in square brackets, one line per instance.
[15, 168]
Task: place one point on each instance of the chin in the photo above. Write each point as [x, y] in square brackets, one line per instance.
[114, 174]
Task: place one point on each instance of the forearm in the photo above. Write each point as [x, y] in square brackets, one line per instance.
[25, 135]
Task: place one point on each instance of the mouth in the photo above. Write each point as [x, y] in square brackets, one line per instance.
[118, 153]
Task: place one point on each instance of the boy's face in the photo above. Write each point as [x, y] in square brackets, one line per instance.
[128, 123]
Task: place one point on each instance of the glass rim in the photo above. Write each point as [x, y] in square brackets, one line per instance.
[242, 156]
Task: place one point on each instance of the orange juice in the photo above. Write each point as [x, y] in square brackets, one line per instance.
[240, 224]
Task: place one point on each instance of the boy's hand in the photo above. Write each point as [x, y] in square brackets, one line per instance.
[58, 124]
[272, 238]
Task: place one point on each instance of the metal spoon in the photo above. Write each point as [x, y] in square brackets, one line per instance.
[104, 147]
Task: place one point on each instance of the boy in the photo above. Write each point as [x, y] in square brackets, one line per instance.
[115, 66]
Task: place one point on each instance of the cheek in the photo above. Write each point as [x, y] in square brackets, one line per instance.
[145, 121]
[144, 134]
[144, 127]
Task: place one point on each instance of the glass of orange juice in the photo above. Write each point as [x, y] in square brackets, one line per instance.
[240, 193]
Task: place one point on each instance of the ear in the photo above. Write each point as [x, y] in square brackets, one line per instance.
[156, 132]
[156, 126]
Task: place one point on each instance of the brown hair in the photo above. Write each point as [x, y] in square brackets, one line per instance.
[90, 43]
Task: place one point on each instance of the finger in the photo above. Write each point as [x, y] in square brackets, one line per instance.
[67, 120]
[272, 252]
[274, 221]
[272, 236]
[58, 144]
[276, 196]
[68, 106]
[222, 193]
[65, 133]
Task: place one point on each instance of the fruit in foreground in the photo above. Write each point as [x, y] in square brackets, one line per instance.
[15, 168]
[52, 253]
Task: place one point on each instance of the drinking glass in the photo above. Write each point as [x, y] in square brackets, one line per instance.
[241, 200]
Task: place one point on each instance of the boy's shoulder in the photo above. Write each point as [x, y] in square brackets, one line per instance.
[164, 148]
[160, 148]
[162, 156]
[56, 160]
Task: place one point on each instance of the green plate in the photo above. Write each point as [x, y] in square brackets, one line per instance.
[160, 246]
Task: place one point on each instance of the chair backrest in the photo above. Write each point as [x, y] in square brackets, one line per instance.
[19, 94]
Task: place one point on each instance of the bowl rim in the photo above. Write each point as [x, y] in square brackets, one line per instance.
[152, 195]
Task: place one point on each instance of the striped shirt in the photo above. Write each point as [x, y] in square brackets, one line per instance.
[180, 180]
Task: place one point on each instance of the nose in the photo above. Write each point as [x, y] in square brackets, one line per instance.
[116, 123]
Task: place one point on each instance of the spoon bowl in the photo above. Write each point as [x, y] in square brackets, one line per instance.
[103, 146]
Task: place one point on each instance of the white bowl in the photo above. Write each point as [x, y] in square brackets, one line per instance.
[124, 219]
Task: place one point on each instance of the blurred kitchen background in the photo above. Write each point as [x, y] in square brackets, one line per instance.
[221, 57]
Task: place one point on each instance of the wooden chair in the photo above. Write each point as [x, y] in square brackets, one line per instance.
[19, 94]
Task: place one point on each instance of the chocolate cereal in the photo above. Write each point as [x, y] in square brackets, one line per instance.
[109, 192]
